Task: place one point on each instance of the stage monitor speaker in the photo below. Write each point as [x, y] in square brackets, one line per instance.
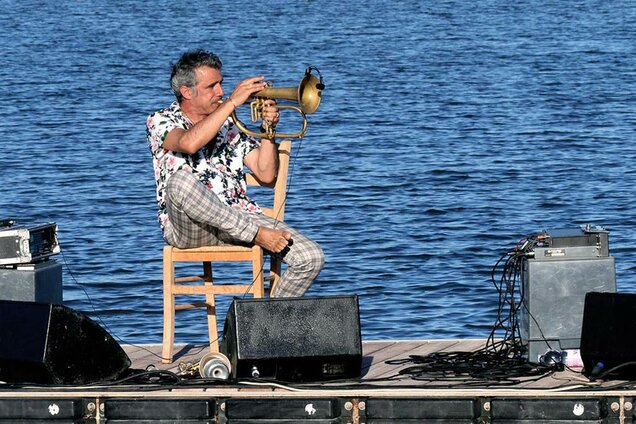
[294, 339]
[52, 344]
[607, 334]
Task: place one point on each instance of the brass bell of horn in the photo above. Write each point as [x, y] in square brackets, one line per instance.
[215, 365]
[306, 95]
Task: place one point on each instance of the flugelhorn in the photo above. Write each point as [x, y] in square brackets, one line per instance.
[306, 95]
[215, 365]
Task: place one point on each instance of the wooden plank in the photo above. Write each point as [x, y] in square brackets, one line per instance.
[376, 371]
[373, 384]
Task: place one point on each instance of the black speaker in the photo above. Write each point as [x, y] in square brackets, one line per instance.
[607, 334]
[52, 344]
[294, 339]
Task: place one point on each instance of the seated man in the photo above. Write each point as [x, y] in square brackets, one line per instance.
[199, 156]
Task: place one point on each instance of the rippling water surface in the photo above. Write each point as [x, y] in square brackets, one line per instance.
[448, 130]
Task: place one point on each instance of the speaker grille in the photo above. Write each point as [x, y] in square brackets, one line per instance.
[297, 328]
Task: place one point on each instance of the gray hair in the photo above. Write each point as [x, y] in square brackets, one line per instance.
[183, 69]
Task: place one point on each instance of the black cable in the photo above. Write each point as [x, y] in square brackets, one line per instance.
[154, 377]
[602, 374]
[502, 360]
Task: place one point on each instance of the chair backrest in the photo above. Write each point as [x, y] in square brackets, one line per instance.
[277, 210]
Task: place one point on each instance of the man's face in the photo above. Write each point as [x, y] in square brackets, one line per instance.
[208, 91]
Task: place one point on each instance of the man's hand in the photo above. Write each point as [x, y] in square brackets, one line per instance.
[270, 114]
[246, 88]
[272, 240]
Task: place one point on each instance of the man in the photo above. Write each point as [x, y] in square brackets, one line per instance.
[199, 157]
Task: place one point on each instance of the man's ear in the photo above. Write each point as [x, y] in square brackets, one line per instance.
[186, 92]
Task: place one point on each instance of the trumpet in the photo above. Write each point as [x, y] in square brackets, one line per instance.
[215, 365]
[212, 365]
[306, 95]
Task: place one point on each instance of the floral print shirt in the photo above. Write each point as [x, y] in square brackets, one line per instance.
[218, 165]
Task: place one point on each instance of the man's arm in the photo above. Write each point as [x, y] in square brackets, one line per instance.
[263, 162]
[192, 140]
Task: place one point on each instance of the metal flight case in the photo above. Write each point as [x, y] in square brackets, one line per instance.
[27, 243]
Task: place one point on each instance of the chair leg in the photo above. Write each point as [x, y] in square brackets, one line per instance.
[258, 279]
[275, 272]
[211, 308]
[168, 306]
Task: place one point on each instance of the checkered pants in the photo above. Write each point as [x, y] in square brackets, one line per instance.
[196, 217]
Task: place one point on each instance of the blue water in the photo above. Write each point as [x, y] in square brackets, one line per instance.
[448, 130]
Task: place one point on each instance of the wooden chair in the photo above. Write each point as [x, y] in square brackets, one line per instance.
[173, 285]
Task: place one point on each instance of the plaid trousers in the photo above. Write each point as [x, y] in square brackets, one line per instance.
[196, 217]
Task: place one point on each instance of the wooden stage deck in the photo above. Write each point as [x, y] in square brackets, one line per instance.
[380, 396]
